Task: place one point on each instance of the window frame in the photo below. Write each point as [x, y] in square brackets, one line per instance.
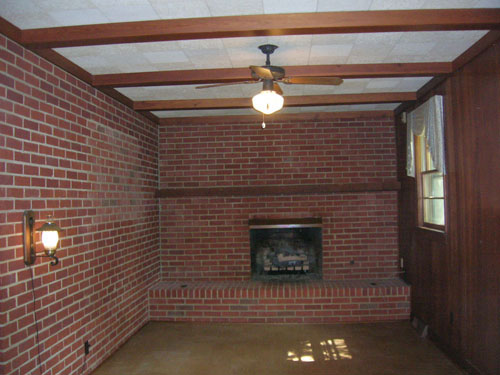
[420, 142]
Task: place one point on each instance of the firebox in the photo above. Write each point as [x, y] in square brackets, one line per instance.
[286, 249]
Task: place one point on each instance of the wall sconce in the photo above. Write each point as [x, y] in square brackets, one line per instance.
[50, 238]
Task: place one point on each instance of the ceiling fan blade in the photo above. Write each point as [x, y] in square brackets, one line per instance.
[277, 88]
[262, 72]
[225, 84]
[313, 80]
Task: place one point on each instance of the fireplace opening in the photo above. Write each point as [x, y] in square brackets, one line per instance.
[287, 249]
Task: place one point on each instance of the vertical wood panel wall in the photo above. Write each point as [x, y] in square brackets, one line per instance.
[455, 275]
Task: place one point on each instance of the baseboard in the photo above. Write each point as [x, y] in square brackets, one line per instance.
[455, 356]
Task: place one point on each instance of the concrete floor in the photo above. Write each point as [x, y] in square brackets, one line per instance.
[251, 349]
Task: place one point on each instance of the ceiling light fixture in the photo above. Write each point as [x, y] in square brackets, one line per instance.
[50, 239]
[267, 101]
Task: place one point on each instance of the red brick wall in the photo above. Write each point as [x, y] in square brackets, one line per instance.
[295, 152]
[314, 302]
[206, 238]
[68, 150]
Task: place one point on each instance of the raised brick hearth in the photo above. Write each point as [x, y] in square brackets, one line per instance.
[272, 302]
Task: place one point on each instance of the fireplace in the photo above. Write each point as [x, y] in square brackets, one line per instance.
[286, 249]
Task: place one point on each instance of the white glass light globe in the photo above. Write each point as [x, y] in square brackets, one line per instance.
[267, 102]
[50, 239]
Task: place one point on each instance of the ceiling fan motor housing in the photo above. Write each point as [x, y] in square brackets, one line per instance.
[277, 72]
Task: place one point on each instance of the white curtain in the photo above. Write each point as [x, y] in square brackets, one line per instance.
[426, 120]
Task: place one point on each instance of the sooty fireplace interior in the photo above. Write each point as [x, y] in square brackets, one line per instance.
[286, 249]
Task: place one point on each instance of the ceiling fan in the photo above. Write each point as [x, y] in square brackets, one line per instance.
[270, 99]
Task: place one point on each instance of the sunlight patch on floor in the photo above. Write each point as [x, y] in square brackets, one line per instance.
[331, 350]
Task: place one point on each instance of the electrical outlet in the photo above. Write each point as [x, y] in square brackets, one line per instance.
[86, 347]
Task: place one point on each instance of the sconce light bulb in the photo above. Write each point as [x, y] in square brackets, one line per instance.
[50, 240]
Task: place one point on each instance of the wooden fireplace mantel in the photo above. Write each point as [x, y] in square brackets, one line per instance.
[226, 191]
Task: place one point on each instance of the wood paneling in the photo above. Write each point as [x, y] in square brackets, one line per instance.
[455, 275]
[263, 25]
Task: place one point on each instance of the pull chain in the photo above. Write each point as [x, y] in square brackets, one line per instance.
[263, 123]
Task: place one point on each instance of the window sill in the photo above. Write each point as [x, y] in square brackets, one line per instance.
[436, 233]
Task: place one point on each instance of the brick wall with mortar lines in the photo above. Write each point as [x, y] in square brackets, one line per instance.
[342, 150]
[314, 302]
[69, 150]
[206, 238]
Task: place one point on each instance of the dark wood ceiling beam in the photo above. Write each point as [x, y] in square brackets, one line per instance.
[290, 101]
[263, 25]
[10, 30]
[66, 64]
[276, 117]
[478, 47]
[208, 76]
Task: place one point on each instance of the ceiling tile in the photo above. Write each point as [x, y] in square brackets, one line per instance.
[443, 4]
[201, 44]
[10, 7]
[289, 6]
[78, 17]
[241, 57]
[251, 43]
[333, 39]
[180, 9]
[396, 4]
[343, 5]
[50, 5]
[31, 19]
[208, 58]
[329, 54]
[382, 83]
[379, 38]
[129, 13]
[419, 49]
[111, 3]
[488, 4]
[156, 47]
[234, 7]
[166, 57]
[411, 83]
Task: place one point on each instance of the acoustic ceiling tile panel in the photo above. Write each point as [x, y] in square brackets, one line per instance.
[169, 9]
[289, 6]
[219, 8]
[398, 4]
[343, 5]
[120, 13]
[78, 17]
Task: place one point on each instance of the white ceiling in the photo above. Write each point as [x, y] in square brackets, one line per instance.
[395, 47]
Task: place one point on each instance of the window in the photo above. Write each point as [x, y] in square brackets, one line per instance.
[430, 185]
[425, 160]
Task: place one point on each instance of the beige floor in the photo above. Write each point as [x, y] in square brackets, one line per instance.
[250, 349]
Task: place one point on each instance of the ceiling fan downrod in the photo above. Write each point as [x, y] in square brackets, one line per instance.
[268, 49]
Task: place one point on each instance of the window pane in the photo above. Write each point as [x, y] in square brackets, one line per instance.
[434, 211]
[433, 185]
